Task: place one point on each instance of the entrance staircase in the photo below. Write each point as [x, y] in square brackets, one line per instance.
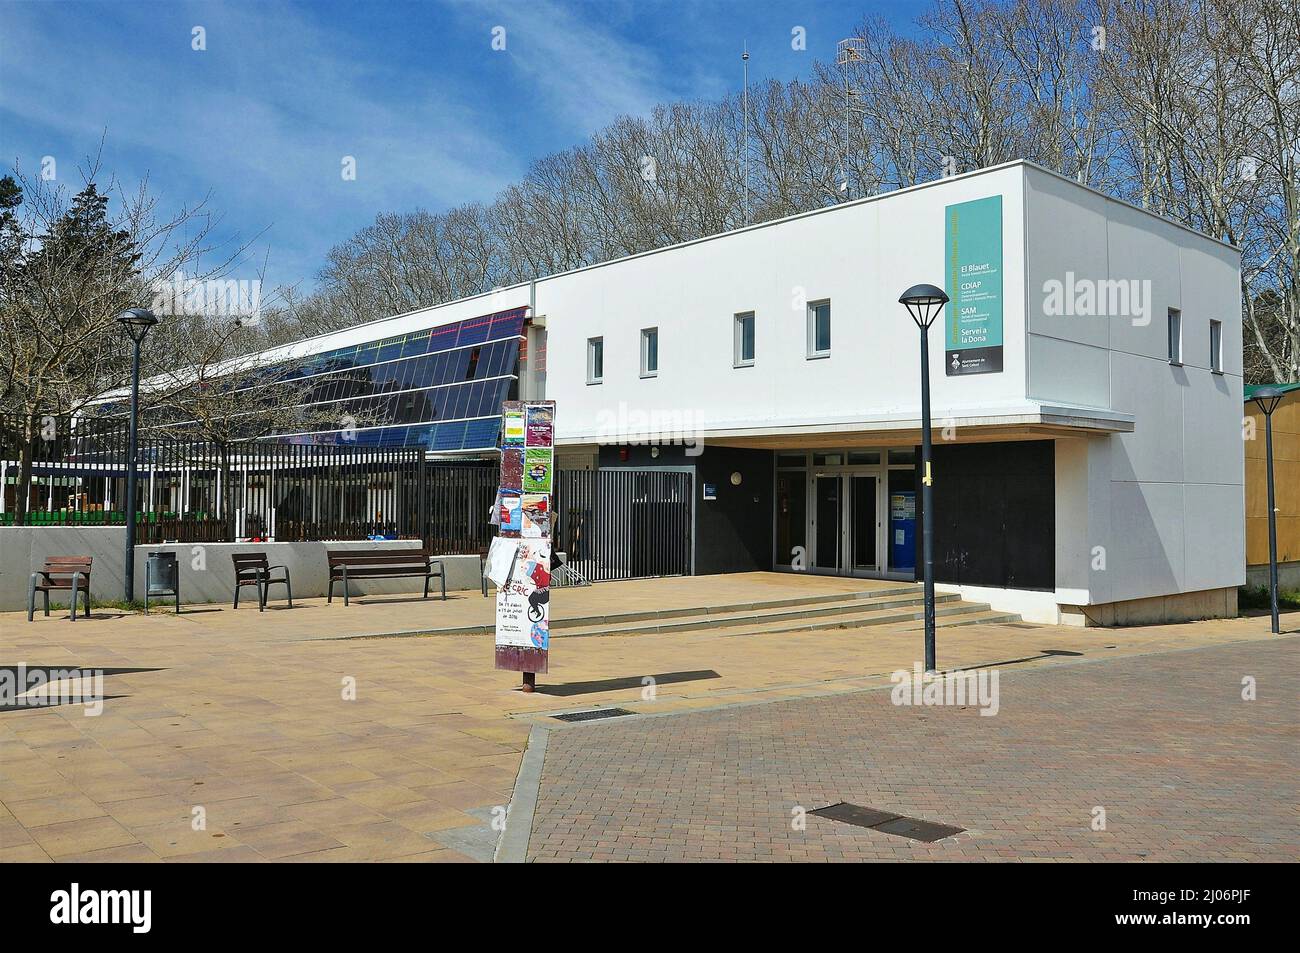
[883, 605]
[852, 610]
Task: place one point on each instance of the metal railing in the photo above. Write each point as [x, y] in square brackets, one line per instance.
[73, 473]
[625, 524]
[613, 524]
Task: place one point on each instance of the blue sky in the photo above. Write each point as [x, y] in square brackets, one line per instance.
[261, 120]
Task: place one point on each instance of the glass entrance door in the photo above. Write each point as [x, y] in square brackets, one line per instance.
[828, 522]
[846, 523]
[863, 523]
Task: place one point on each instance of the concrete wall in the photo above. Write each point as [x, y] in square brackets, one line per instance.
[23, 549]
[1288, 576]
[206, 571]
[860, 256]
[1156, 512]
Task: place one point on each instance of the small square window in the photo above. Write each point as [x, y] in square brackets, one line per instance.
[650, 352]
[1216, 346]
[595, 360]
[743, 355]
[819, 329]
[1175, 336]
[902, 456]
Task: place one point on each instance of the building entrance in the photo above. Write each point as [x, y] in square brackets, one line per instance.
[847, 513]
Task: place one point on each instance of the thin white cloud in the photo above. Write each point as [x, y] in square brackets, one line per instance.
[584, 72]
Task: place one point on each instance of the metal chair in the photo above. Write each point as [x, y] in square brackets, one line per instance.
[252, 569]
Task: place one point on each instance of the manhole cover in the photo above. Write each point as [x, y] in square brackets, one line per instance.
[593, 715]
[887, 822]
[927, 831]
[853, 814]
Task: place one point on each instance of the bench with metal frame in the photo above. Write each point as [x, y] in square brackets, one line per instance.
[353, 564]
[60, 573]
[253, 569]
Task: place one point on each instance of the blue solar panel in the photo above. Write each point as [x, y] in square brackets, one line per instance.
[427, 382]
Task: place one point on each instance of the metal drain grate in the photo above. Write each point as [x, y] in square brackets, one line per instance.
[887, 822]
[593, 715]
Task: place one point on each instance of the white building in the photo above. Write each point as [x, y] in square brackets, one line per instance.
[1086, 380]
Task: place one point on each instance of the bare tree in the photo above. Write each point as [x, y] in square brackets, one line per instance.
[71, 264]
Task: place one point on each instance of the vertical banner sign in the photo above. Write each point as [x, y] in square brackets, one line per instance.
[973, 257]
[523, 630]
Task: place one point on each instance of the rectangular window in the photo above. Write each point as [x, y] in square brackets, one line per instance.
[819, 329]
[649, 352]
[1216, 346]
[743, 355]
[1175, 336]
[595, 360]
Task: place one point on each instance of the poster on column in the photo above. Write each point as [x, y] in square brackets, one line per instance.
[523, 603]
[973, 263]
[523, 610]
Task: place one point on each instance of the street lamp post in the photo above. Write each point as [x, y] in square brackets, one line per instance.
[1267, 399]
[923, 303]
[136, 322]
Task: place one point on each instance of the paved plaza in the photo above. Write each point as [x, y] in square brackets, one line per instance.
[1184, 768]
[238, 736]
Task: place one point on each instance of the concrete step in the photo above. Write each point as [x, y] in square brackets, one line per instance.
[952, 612]
[986, 617]
[889, 605]
[619, 618]
[799, 616]
[695, 616]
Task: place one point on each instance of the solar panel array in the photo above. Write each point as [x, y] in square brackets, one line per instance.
[440, 389]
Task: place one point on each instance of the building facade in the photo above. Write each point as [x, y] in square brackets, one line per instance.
[1086, 381]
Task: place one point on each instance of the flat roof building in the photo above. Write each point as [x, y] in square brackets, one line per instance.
[1086, 381]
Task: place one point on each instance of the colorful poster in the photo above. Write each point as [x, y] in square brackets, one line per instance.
[510, 513]
[512, 428]
[523, 604]
[538, 466]
[523, 634]
[973, 257]
[537, 515]
[540, 425]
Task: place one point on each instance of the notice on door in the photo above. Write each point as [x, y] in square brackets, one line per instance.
[973, 258]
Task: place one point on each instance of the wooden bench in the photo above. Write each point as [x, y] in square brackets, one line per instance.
[252, 569]
[351, 564]
[60, 573]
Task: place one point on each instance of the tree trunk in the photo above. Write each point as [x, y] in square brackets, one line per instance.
[26, 453]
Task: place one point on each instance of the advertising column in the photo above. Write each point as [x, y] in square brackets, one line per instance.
[523, 546]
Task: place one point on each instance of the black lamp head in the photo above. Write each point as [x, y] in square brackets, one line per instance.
[1268, 398]
[137, 322]
[923, 303]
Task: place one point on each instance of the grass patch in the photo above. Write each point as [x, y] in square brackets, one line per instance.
[1257, 598]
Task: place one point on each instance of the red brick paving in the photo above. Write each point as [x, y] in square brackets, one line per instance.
[1185, 769]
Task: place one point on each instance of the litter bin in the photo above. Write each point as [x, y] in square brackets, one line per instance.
[162, 578]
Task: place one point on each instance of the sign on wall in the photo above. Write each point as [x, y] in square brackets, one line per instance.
[520, 559]
[973, 259]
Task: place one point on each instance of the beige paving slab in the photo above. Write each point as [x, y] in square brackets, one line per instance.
[248, 718]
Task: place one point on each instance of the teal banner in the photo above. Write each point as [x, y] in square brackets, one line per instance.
[973, 256]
